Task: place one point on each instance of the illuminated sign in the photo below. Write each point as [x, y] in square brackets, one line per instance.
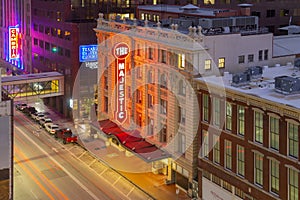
[13, 42]
[120, 51]
[88, 53]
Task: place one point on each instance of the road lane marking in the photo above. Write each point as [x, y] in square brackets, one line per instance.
[117, 180]
[62, 167]
[130, 191]
[92, 162]
[82, 154]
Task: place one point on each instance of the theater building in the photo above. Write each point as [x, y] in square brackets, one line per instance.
[254, 152]
[146, 90]
[154, 96]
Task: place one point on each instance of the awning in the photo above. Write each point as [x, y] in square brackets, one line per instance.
[132, 141]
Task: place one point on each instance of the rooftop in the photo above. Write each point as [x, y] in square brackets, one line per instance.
[264, 87]
[189, 8]
[286, 45]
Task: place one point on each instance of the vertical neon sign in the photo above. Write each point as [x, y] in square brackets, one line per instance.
[120, 51]
[13, 43]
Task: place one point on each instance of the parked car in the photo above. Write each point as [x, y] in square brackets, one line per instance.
[39, 116]
[45, 120]
[28, 110]
[51, 128]
[21, 106]
[66, 135]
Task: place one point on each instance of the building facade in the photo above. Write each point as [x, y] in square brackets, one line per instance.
[146, 74]
[254, 152]
[156, 98]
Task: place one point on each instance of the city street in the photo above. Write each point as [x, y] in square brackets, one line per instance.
[47, 169]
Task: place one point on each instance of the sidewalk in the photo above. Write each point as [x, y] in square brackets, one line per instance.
[133, 168]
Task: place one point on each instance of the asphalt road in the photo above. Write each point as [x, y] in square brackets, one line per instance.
[44, 168]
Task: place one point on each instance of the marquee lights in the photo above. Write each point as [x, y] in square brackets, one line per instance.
[121, 51]
[13, 42]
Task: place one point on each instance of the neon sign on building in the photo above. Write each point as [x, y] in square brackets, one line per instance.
[13, 42]
[120, 51]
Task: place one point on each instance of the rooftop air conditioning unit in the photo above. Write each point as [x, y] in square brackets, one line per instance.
[287, 85]
[240, 79]
[255, 72]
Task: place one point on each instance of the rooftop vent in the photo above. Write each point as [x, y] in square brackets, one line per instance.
[287, 85]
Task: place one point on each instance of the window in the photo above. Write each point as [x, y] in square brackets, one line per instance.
[150, 101]
[274, 176]
[150, 127]
[221, 63]
[209, 2]
[239, 193]
[274, 133]
[205, 107]
[105, 104]
[163, 106]
[216, 149]
[216, 115]
[241, 59]
[35, 27]
[150, 53]
[266, 51]
[138, 96]
[258, 127]
[150, 76]
[240, 160]
[105, 83]
[163, 134]
[293, 143]
[138, 49]
[228, 116]
[284, 12]
[260, 55]
[293, 184]
[163, 81]
[41, 28]
[228, 154]
[207, 64]
[41, 43]
[181, 115]
[47, 46]
[255, 13]
[270, 13]
[181, 87]
[47, 30]
[241, 120]
[181, 61]
[163, 56]
[250, 58]
[67, 35]
[227, 186]
[181, 143]
[258, 169]
[205, 140]
[138, 72]
[35, 41]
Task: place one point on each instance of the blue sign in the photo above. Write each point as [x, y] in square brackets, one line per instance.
[88, 53]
